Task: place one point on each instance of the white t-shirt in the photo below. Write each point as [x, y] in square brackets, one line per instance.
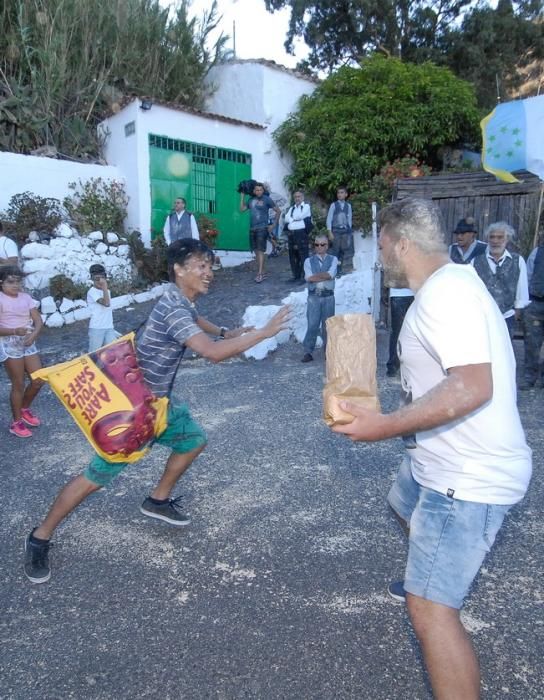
[101, 316]
[8, 248]
[482, 457]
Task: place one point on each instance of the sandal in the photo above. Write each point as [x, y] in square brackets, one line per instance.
[259, 279]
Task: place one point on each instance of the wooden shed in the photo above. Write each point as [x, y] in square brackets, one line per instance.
[483, 197]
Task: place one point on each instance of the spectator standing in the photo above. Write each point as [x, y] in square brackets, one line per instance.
[340, 227]
[503, 273]
[101, 330]
[20, 325]
[9, 254]
[470, 461]
[298, 219]
[319, 272]
[400, 299]
[466, 246]
[180, 223]
[259, 225]
[533, 318]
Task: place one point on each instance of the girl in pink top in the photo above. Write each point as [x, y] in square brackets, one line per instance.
[20, 324]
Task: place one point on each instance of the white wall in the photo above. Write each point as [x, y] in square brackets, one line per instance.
[46, 177]
[131, 153]
[261, 93]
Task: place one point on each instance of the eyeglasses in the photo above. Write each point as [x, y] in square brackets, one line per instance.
[320, 245]
[13, 280]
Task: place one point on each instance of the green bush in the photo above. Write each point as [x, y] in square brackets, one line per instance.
[97, 205]
[28, 212]
[61, 286]
[150, 262]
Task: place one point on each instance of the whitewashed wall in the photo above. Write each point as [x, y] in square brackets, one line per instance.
[261, 93]
[46, 177]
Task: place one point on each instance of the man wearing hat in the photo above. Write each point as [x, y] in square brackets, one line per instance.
[466, 247]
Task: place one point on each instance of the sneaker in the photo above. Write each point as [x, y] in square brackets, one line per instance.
[19, 428]
[29, 418]
[37, 567]
[396, 591]
[307, 358]
[170, 511]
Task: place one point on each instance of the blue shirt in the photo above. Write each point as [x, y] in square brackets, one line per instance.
[258, 211]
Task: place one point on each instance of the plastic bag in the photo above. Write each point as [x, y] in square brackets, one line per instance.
[350, 366]
[106, 394]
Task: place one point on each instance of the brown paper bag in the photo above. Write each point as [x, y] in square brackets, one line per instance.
[351, 366]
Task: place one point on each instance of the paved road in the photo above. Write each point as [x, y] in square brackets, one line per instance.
[277, 589]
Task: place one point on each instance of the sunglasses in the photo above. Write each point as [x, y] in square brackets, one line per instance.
[320, 245]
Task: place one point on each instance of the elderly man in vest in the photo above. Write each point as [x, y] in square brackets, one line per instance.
[533, 318]
[339, 224]
[466, 247]
[503, 273]
[180, 223]
[319, 272]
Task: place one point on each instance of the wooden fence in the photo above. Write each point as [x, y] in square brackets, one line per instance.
[483, 197]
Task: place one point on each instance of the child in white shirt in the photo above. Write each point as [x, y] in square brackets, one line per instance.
[101, 330]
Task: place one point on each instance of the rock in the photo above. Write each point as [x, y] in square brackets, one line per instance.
[82, 314]
[79, 304]
[35, 265]
[36, 250]
[123, 251]
[95, 236]
[74, 246]
[66, 305]
[69, 317]
[64, 231]
[121, 301]
[48, 305]
[55, 320]
[101, 248]
[141, 297]
[112, 237]
[37, 280]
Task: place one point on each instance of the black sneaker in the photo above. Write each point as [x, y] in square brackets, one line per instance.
[37, 567]
[170, 511]
[396, 591]
[307, 357]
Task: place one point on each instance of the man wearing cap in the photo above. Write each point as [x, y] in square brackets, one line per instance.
[466, 247]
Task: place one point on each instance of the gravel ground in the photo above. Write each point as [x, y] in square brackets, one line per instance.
[277, 589]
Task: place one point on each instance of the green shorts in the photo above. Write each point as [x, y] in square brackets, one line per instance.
[182, 434]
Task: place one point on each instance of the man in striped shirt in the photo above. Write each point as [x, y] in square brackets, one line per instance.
[172, 326]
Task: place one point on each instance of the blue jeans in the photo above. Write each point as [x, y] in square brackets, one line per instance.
[101, 336]
[448, 541]
[318, 310]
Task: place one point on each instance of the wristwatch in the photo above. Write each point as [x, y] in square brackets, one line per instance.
[222, 331]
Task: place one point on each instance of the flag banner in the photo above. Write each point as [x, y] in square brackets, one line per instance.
[513, 138]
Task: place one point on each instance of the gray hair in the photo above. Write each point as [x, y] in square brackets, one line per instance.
[500, 226]
[417, 220]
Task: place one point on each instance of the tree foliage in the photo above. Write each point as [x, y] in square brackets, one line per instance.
[359, 119]
[493, 49]
[339, 32]
[65, 63]
[483, 45]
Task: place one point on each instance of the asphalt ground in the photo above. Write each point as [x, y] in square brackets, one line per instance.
[277, 589]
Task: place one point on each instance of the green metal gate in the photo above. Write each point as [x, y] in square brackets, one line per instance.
[206, 176]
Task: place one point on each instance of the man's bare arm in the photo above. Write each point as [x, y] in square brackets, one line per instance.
[464, 390]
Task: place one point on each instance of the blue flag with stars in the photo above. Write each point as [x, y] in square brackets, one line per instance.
[513, 138]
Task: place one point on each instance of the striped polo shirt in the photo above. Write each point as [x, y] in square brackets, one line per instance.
[161, 344]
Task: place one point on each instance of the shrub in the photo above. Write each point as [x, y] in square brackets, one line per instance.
[150, 263]
[61, 286]
[97, 205]
[208, 230]
[28, 212]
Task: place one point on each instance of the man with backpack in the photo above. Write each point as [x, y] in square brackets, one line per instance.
[298, 220]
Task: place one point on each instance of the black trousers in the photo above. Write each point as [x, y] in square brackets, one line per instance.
[399, 306]
[298, 252]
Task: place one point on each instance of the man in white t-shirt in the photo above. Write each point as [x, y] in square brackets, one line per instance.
[9, 255]
[469, 461]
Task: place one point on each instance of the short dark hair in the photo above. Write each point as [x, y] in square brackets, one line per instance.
[10, 271]
[181, 250]
[97, 269]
